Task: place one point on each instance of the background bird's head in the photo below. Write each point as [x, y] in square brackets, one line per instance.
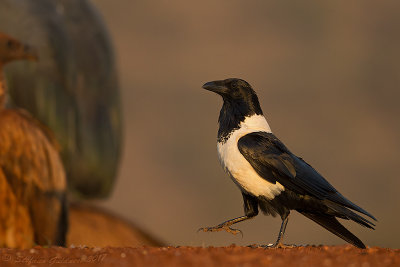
[237, 94]
[11, 49]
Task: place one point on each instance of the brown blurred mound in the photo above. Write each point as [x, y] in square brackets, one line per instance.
[196, 256]
[96, 227]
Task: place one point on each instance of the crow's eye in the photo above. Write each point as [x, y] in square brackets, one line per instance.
[234, 85]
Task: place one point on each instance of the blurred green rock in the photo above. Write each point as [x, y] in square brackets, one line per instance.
[73, 88]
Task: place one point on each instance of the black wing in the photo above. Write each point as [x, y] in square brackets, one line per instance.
[275, 163]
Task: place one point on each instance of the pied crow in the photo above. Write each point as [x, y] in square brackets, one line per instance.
[269, 176]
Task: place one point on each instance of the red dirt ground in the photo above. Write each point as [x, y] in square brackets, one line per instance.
[197, 256]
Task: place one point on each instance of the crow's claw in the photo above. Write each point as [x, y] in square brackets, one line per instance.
[277, 245]
[221, 227]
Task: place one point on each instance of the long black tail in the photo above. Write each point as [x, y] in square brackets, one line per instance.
[333, 225]
[347, 214]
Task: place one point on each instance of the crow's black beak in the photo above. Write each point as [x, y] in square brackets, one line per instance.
[216, 87]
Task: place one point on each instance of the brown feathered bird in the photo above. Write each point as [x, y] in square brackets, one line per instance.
[33, 208]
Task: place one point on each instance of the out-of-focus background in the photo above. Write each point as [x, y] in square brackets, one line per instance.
[328, 78]
[327, 75]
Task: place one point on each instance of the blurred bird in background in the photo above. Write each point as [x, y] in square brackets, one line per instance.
[73, 88]
[32, 178]
[74, 91]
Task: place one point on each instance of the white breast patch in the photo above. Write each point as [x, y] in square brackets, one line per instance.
[239, 169]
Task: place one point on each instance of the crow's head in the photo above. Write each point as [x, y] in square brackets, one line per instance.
[237, 95]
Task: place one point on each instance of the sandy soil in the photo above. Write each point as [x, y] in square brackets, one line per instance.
[197, 256]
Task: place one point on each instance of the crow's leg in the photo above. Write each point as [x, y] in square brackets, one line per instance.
[250, 210]
[278, 243]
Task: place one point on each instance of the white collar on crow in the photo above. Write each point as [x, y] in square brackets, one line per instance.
[239, 169]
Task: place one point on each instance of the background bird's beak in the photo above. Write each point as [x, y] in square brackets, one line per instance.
[30, 53]
[216, 87]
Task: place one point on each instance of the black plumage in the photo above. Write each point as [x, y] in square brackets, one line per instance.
[304, 189]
